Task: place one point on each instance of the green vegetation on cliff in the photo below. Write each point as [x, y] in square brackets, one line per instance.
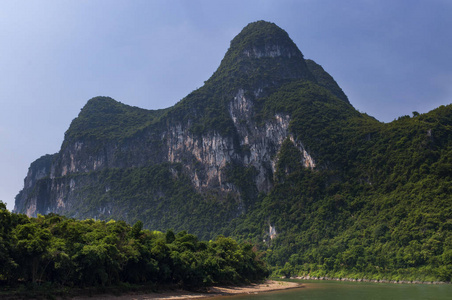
[378, 206]
[103, 119]
[161, 196]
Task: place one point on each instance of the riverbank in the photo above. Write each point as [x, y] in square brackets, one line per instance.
[368, 280]
[269, 285]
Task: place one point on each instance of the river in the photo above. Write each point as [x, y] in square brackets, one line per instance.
[315, 290]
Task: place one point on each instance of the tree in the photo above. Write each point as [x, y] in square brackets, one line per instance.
[31, 246]
[7, 264]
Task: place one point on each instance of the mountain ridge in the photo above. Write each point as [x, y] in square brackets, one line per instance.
[269, 140]
[216, 118]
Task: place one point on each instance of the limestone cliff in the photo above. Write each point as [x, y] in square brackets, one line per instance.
[219, 127]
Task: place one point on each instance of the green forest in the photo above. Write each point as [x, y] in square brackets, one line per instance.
[57, 250]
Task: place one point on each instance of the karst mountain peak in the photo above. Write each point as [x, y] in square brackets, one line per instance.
[231, 123]
[264, 55]
[261, 57]
[269, 141]
[262, 39]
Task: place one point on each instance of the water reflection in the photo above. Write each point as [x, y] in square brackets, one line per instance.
[354, 291]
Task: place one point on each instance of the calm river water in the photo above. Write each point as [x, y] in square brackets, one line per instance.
[356, 290]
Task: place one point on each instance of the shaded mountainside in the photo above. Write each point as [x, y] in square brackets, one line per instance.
[269, 140]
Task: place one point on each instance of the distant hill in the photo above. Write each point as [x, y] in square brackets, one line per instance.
[269, 150]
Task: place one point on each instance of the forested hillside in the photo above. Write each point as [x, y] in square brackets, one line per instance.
[382, 208]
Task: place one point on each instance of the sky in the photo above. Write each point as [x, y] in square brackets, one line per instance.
[391, 57]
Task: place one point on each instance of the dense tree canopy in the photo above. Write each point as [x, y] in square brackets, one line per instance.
[66, 251]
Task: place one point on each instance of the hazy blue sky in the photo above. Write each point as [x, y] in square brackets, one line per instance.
[390, 57]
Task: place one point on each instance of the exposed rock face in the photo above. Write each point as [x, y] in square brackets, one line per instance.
[264, 141]
[27, 200]
[59, 183]
[204, 157]
[212, 151]
[270, 50]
